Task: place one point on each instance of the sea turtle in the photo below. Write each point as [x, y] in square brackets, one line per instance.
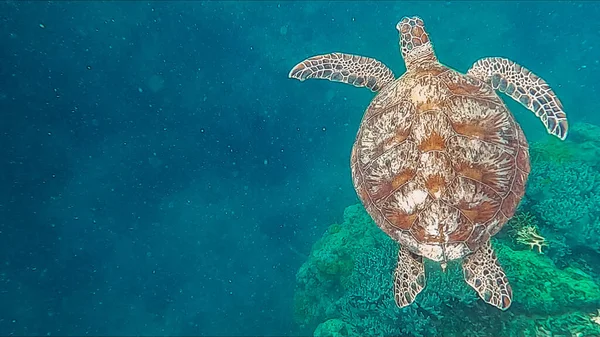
[439, 162]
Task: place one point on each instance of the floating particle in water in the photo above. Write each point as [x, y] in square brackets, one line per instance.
[283, 30]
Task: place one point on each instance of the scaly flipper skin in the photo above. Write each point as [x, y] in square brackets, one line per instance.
[483, 272]
[526, 88]
[409, 277]
[357, 70]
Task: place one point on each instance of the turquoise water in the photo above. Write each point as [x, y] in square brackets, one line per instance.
[162, 175]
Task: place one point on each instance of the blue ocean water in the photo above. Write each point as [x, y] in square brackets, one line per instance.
[161, 175]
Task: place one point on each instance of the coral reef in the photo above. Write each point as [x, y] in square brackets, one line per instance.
[528, 235]
[550, 251]
[361, 298]
[565, 197]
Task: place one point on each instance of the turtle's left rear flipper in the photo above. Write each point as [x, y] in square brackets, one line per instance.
[526, 88]
[483, 272]
[409, 277]
[357, 70]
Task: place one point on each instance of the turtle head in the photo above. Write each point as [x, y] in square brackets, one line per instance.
[415, 45]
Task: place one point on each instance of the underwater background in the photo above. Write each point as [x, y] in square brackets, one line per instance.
[161, 175]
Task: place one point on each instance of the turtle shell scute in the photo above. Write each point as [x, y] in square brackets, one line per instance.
[439, 162]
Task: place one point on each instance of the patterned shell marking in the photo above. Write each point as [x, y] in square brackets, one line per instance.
[439, 162]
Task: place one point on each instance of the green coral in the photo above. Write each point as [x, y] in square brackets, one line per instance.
[565, 197]
[361, 299]
[540, 288]
[334, 328]
[331, 262]
[582, 145]
[552, 149]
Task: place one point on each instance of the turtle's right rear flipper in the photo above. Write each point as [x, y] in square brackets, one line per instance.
[483, 272]
[409, 277]
[357, 70]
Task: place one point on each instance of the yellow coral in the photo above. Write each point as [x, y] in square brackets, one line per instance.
[596, 318]
[528, 235]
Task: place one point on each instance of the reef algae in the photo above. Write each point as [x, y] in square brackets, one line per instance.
[353, 296]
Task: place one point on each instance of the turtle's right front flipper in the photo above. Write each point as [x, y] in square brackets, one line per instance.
[357, 70]
[526, 88]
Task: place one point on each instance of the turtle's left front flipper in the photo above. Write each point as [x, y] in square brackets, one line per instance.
[483, 272]
[526, 88]
[360, 71]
